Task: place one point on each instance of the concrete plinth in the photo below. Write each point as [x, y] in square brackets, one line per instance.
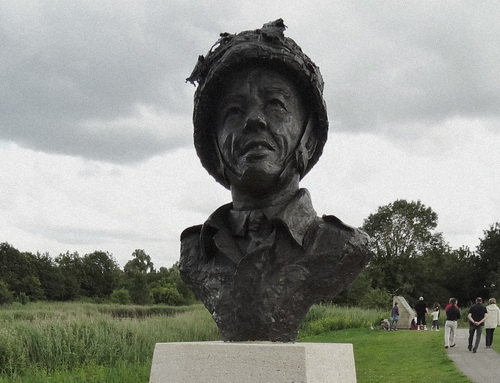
[218, 362]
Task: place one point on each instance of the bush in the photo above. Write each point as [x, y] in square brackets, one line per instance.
[376, 299]
[139, 291]
[167, 295]
[120, 296]
[5, 294]
[23, 299]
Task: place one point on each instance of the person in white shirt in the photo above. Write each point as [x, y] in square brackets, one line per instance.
[492, 321]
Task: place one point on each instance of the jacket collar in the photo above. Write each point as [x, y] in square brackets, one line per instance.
[296, 217]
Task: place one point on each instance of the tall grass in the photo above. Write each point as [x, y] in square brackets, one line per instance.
[49, 337]
[327, 317]
[60, 310]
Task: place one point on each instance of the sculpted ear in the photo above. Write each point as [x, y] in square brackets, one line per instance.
[306, 147]
[310, 137]
[221, 165]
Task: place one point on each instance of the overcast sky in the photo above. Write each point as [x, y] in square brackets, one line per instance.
[96, 147]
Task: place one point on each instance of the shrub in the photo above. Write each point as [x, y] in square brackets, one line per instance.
[167, 295]
[23, 299]
[376, 299]
[120, 296]
[5, 294]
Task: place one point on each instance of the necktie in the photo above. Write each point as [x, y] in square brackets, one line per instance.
[255, 220]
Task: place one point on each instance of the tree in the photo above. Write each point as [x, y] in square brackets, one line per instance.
[50, 276]
[176, 280]
[141, 263]
[356, 290]
[461, 277]
[136, 272]
[402, 229]
[432, 273]
[376, 299]
[488, 261]
[401, 233]
[70, 267]
[139, 290]
[167, 294]
[167, 287]
[100, 272]
[5, 293]
[18, 271]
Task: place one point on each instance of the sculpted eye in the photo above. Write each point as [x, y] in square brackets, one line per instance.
[233, 112]
[276, 104]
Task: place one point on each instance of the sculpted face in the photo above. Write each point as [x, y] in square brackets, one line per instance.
[259, 122]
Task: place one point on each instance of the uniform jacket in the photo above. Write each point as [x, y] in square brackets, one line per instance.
[265, 294]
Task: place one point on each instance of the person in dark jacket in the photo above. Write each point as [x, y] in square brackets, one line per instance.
[422, 310]
[477, 316]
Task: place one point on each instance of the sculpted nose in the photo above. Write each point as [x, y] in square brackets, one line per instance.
[255, 120]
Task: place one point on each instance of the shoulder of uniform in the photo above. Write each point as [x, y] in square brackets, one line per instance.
[356, 236]
[191, 231]
[333, 220]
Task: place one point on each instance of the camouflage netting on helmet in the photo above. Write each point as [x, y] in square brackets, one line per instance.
[266, 46]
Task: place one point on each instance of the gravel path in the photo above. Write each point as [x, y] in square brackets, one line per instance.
[481, 367]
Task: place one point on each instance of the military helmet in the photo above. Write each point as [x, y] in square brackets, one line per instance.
[266, 46]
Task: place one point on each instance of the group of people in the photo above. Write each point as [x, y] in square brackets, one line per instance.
[419, 323]
[479, 317]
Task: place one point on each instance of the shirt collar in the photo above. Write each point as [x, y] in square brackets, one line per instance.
[296, 217]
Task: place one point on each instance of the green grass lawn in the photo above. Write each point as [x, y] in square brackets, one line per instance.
[89, 373]
[397, 356]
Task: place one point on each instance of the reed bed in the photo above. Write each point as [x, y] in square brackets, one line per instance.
[326, 317]
[49, 337]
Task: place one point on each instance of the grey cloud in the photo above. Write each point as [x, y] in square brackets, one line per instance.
[64, 66]
[69, 71]
[126, 144]
[82, 236]
[415, 63]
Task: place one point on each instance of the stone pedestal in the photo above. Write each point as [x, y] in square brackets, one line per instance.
[254, 362]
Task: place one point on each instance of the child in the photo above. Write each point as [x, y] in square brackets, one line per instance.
[413, 325]
[435, 319]
[438, 307]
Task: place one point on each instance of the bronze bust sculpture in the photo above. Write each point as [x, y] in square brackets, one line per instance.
[260, 124]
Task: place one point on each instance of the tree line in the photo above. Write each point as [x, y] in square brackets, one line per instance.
[410, 258]
[28, 277]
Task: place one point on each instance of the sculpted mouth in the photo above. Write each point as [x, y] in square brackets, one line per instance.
[260, 145]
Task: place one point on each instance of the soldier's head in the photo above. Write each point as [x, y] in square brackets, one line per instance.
[259, 114]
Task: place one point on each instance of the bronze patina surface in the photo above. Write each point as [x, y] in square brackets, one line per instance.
[260, 124]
